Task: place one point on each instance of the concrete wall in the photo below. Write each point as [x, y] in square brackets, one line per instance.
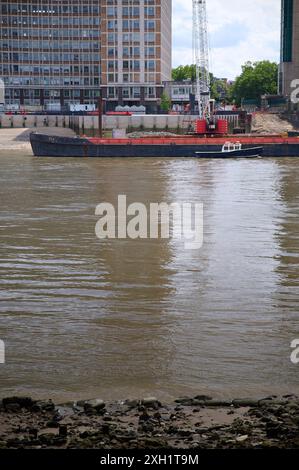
[85, 123]
[18, 121]
[293, 118]
[91, 122]
[290, 70]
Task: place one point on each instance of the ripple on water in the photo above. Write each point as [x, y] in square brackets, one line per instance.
[115, 318]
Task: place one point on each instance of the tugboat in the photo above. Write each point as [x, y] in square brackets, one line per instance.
[233, 150]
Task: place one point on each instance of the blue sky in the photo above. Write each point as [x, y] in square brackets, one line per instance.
[239, 30]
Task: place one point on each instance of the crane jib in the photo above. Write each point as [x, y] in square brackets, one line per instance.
[201, 58]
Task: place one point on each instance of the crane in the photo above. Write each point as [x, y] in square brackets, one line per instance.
[201, 58]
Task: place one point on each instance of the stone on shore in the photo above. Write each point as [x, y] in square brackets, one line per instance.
[151, 402]
[11, 403]
[94, 405]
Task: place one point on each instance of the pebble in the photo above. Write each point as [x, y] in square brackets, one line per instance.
[151, 402]
[96, 405]
[242, 438]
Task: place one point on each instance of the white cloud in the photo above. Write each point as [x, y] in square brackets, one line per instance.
[238, 31]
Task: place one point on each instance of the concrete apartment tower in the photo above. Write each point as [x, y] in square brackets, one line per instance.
[289, 67]
[135, 51]
[61, 51]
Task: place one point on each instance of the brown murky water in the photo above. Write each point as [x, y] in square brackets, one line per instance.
[87, 318]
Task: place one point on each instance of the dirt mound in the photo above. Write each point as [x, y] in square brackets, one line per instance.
[270, 124]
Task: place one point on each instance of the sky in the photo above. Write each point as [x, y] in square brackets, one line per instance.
[239, 30]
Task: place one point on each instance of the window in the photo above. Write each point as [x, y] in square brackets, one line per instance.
[287, 30]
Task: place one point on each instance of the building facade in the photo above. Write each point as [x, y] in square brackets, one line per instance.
[182, 95]
[58, 51]
[135, 51]
[289, 67]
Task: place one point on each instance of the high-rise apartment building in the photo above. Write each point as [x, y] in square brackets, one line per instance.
[289, 67]
[58, 51]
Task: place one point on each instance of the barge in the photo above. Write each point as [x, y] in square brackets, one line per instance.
[177, 146]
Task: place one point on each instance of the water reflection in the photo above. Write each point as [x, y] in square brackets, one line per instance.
[83, 317]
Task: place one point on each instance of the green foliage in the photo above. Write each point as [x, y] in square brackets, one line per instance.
[256, 79]
[165, 102]
[219, 88]
[184, 72]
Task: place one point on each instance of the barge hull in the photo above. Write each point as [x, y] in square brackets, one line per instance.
[53, 146]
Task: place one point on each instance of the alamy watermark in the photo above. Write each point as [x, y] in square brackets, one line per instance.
[295, 353]
[2, 352]
[295, 92]
[181, 221]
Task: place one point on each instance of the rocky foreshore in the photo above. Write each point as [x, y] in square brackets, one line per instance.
[188, 423]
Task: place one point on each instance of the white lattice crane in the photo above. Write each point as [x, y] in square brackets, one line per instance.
[201, 58]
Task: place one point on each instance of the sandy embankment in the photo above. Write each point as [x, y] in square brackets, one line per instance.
[17, 140]
[264, 123]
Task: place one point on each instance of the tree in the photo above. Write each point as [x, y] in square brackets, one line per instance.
[184, 72]
[219, 88]
[256, 79]
[165, 102]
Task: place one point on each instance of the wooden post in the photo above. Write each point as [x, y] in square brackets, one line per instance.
[100, 106]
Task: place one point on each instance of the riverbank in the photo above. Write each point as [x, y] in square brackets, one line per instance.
[17, 140]
[188, 423]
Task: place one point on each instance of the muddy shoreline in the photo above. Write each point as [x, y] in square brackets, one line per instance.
[188, 423]
[16, 140]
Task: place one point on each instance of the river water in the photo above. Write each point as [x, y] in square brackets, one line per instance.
[85, 318]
